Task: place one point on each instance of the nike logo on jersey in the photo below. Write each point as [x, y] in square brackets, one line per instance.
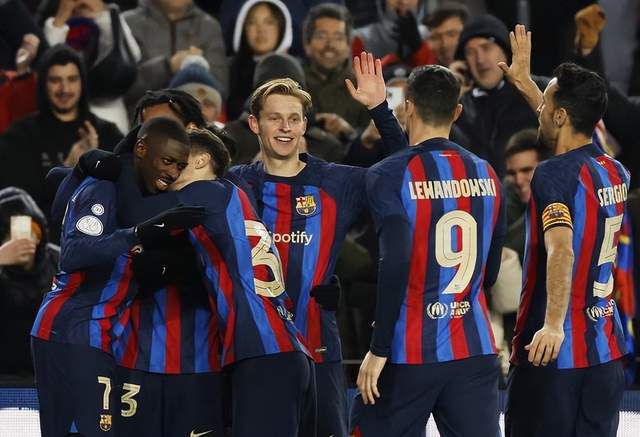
[159, 225]
[198, 434]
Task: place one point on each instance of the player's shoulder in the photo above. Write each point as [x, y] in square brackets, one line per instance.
[395, 162]
[92, 187]
[247, 172]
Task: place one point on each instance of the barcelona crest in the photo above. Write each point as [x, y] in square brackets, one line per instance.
[305, 205]
[105, 422]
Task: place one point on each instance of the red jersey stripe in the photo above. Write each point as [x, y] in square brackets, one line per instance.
[55, 305]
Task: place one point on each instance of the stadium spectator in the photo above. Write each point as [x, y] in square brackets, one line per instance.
[327, 32]
[167, 31]
[522, 156]
[62, 129]
[195, 78]
[262, 27]
[315, 140]
[493, 109]
[18, 88]
[109, 50]
[396, 31]
[27, 266]
[15, 22]
[445, 27]
[227, 12]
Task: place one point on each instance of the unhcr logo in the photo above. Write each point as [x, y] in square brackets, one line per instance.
[597, 312]
[437, 310]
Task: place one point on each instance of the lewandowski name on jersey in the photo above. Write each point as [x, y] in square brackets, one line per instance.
[452, 189]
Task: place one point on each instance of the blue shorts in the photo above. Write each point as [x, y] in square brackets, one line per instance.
[545, 401]
[332, 400]
[273, 395]
[162, 405]
[77, 389]
[462, 395]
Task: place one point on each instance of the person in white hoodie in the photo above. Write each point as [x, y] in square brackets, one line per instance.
[112, 66]
[262, 27]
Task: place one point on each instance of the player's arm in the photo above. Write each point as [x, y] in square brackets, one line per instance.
[90, 235]
[395, 255]
[372, 93]
[497, 242]
[519, 72]
[558, 241]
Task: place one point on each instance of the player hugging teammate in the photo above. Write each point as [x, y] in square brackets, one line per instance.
[187, 291]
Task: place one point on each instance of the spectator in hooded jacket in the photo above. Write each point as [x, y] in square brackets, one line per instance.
[27, 266]
[262, 27]
[59, 133]
[167, 31]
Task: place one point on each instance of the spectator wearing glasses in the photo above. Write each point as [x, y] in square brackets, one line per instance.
[327, 33]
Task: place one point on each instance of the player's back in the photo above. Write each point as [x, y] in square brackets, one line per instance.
[243, 272]
[586, 190]
[452, 203]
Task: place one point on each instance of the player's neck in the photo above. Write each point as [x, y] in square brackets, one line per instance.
[424, 132]
[568, 141]
[283, 167]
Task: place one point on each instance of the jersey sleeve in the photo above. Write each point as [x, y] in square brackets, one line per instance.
[393, 137]
[551, 196]
[497, 241]
[90, 235]
[394, 238]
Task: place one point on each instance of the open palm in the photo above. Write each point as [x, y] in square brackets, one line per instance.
[370, 90]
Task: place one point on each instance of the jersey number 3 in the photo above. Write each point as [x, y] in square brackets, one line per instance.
[465, 257]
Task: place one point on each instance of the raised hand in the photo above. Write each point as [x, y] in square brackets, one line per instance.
[27, 52]
[371, 90]
[520, 69]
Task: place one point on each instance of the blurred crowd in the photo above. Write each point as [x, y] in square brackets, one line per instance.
[73, 71]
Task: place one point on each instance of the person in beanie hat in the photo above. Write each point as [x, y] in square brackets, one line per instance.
[493, 110]
[195, 78]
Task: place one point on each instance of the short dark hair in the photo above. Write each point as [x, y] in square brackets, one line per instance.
[446, 11]
[186, 107]
[523, 141]
[434, 91]
[162, 128]
[583, 94]
[326, 10]
[206, 141]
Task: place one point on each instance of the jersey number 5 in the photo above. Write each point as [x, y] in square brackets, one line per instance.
[465, 257]
[608, 253]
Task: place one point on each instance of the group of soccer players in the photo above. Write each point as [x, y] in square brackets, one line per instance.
[191, 298]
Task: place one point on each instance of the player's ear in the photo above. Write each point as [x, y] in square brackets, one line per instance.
[304, 125]
[560, 117]
[457, 112]
[140, 148]
[409, 108]
[253, 124]
[202, 160]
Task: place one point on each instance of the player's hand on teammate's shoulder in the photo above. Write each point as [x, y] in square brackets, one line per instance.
[545, 345]
[368, 376]
[370, 89]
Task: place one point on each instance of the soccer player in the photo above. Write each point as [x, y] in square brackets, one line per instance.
[83, 314]
[567, 378]
[439, 214]
[271, 378]
[309, 205]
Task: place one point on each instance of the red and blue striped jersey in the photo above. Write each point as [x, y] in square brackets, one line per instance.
[171, 331]
[584, 189]
[308, 216]
[243, 273]
[89, 299]
[444, 207]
